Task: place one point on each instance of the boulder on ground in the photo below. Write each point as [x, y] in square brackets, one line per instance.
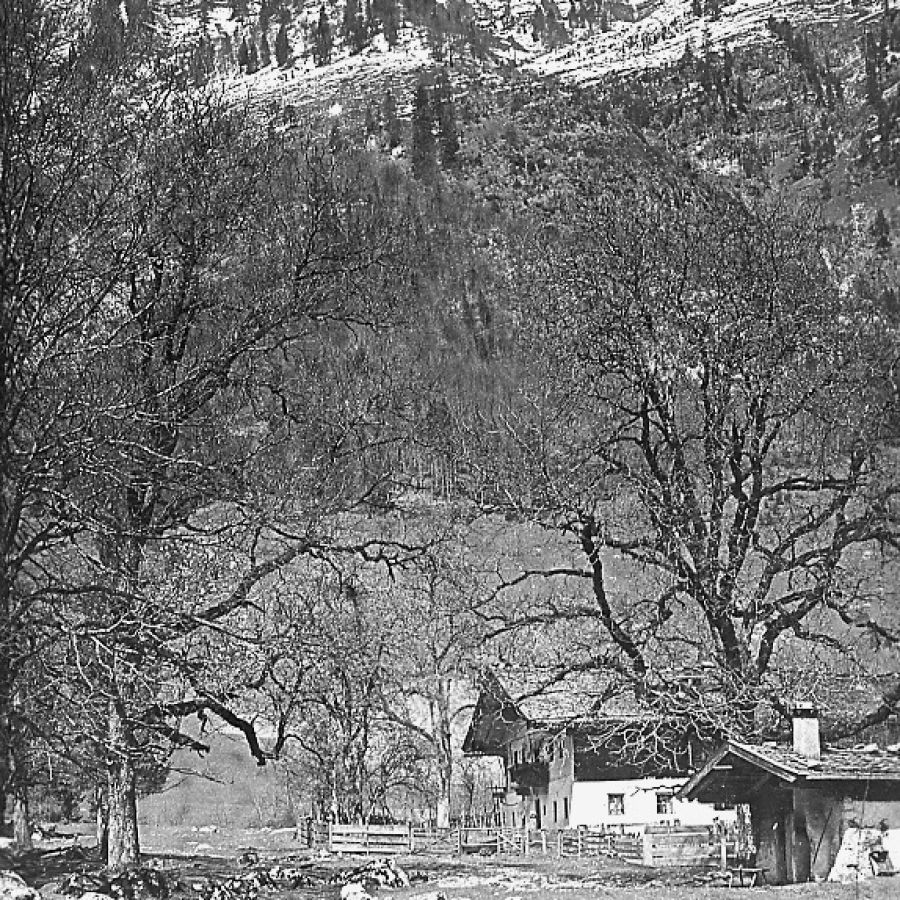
[14, 887]
[355, 891]
[378, 872]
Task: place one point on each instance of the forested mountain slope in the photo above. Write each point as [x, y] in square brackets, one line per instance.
[350, 347]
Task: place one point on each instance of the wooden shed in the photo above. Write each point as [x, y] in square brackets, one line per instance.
[817, 813]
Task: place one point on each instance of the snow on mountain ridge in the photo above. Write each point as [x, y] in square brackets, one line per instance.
[659, 39]
[643, 35]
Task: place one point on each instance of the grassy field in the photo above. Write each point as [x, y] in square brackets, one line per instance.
[191, 855]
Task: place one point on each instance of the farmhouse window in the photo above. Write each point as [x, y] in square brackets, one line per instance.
[554, 811]
[664, 803]
[616, 804]
[566, 808]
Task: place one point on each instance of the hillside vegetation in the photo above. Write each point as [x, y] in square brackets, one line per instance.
[351, 348]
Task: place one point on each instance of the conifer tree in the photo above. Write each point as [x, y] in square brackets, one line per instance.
[391, 122]
[335, 138]
[351, 9]
[323, 41]
[804, 158]
[873, 88]
[265, 54]
[252, 58]
[389, 23]
[226, 53]
[881, 231]
[538, 22]
[108, 38]
[445, 114]
[353, 28]
[243, 56]
[424, 157]
[282, 46]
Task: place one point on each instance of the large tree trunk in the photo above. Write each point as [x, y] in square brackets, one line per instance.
[4, 770]
[5, 706]
[123, 849]
[102, 821]
[443, 803]
[21, 820]
[18, 786]
[444, 747]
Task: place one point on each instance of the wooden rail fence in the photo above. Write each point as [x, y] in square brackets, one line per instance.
[650, 846]
[379, 839]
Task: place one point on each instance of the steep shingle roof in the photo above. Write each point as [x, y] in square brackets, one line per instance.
[733, 771]
[857, 764]
[551, 697]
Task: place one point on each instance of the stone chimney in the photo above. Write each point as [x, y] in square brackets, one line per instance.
[805, 720]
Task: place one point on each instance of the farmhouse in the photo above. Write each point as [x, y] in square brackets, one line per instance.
[816, 812]
[569, 747]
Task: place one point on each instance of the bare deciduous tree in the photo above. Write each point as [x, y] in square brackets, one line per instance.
[702, 408]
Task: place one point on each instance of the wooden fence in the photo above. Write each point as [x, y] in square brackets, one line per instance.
[650, 846]
[366, 839]
[682, 846]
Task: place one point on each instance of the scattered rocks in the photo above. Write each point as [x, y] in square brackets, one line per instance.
[248, 884]
[79, 884]
[133, 884]
[248, 858]
[14, 887]
[374, 874]
[291, 877]
[377, 873]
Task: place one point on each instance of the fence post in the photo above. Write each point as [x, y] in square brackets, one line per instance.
[580, 840]
[723, 851]
[559, 844]
[412, 839]
[544, 841]
[526, 838]
[459, 840]
[330, 838]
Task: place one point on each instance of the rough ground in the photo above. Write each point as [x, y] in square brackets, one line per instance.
[197, 856]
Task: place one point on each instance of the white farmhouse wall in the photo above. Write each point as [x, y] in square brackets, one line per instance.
[590, 805]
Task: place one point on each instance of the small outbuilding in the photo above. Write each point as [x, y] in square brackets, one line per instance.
[817, 813]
